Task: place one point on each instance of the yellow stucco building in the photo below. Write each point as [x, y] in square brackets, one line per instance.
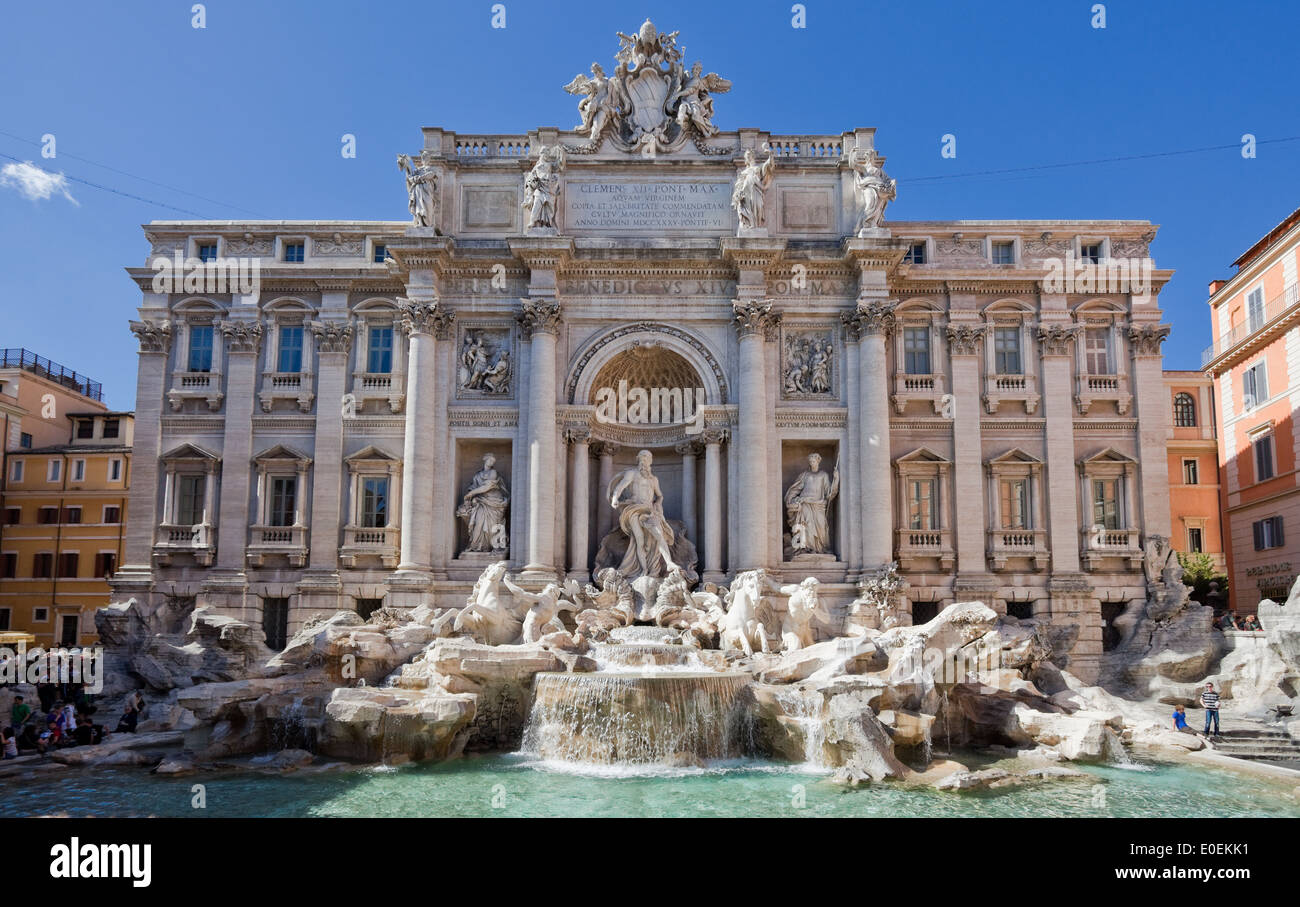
[63, 499]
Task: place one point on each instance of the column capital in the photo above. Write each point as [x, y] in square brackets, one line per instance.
[244, 336]
[715, 436]
[421, 316]
[1147, 338]
[691, 448]
[1056, 339]
[603, 448]
[154, 336]
[754, 316]
[332, 336]
[539, 316]
[578, 435]
[964, 339]
[871, 317]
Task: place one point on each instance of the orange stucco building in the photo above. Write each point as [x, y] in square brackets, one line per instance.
[1255, 364]
[1193, 452]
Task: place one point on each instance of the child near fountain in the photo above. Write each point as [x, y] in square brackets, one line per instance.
[1180, 720]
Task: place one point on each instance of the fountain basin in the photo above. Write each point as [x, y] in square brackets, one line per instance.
[641, 718]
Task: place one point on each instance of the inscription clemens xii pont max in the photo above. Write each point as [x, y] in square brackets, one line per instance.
[648, 206]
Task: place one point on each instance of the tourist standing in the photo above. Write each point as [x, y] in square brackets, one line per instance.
[1210, 702]
[18, 714]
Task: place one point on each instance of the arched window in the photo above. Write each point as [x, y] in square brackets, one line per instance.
[1184, 411]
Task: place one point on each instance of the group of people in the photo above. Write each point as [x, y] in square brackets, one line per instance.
[1229, 620]
[64, 716]
[1209, 702]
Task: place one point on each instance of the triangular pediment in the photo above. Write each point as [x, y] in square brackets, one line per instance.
[1015, 455]
[923, 455]
[1107, 455]
[189, 451]
[370, 452]
[281, 452]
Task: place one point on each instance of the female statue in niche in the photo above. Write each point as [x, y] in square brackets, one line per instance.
[806, 502]
[484, 509]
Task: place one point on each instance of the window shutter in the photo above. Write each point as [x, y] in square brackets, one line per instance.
[1258, 528]
[1277, 532]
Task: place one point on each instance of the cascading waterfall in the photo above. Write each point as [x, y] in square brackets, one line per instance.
[670, 718]
[805, 707]
[650, 703]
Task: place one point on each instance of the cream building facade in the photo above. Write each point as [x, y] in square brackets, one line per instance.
[312, 444]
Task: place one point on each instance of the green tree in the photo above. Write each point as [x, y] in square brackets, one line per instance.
[1198, 572]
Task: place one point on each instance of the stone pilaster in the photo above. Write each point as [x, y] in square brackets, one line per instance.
[1154, 425]
[320, 588]
[1056, 349]
[135, 575]
[968, 469]
[226, 585]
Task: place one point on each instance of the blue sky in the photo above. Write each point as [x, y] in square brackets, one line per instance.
[244, 119]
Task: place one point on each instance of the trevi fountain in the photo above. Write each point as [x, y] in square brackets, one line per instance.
[563, 620]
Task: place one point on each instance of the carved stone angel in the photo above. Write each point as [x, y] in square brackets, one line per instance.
[751, 184]
[604, 98]
[696, 106]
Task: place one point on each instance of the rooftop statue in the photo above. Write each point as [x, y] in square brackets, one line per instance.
[651, 102]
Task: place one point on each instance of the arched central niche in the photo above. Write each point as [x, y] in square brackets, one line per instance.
[646, 354]
[644, 364]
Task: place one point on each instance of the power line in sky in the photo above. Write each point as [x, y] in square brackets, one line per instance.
[138, 198]
[1089, 163]
[133, 176]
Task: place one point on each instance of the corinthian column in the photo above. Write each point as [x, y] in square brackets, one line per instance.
[755, 321]
[689, 451]
[423, 321]
[580, 501]
[540, 319]
[713, 439]
[873, 320]
[605, 450]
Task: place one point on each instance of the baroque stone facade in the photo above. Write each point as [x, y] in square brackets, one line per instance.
[732, 302]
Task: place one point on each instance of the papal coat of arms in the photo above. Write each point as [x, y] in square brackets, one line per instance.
[651, 103]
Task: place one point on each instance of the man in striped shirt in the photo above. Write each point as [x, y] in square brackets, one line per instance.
[1210, 702]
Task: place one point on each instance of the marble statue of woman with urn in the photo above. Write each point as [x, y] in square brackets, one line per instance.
[484, 509]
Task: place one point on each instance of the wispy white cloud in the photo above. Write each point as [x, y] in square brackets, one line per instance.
[33, 183]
